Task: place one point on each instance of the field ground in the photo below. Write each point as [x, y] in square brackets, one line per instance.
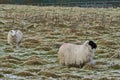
[45, 29]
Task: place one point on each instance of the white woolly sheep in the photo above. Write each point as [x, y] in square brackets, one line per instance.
[15, 37]
[73, 55]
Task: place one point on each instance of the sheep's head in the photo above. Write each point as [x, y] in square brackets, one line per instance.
[13, 32]
[92, 44]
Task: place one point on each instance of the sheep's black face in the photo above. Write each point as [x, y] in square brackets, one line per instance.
[92, 44]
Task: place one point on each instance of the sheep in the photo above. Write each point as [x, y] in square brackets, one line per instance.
[14, 38]
[73, 55]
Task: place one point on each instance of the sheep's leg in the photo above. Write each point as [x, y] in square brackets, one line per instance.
[18, 46]
[61, 60]
[92, 61]
[91, 58]
[11, 45]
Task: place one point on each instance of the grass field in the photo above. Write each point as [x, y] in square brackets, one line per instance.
[45, 29]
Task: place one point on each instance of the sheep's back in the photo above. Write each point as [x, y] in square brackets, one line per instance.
[19, 36]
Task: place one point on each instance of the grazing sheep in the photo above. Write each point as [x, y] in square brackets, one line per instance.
[73, 55]
[15, 37]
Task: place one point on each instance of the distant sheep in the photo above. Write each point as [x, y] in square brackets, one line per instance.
[15, 37]
[73, 55]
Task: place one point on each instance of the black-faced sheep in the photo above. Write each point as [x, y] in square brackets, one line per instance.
[15, 37]
[73, 55]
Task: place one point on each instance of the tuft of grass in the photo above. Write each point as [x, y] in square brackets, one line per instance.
[10, 57]
[24, 74]
[34, 60]
[34, 70]
[55, 33]
[72, 37]
[45, 48]
[1, 75]
[30, 43]
[117, 55]
[51, 37]
[101, 63]
[89, 66]
[52, 51]
[71, 76]
[99, 27]
[7, 64]
[48, 74]
[106, 42]
[105, 78]
[7, 71]
[12, 61]
[116, 66]
[45, 30]
[101, 51]
[8, 49]
[86, 79]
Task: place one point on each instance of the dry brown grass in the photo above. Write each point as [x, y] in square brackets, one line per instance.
[46, 28]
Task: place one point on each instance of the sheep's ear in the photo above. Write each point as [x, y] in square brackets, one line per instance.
[92, 44]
